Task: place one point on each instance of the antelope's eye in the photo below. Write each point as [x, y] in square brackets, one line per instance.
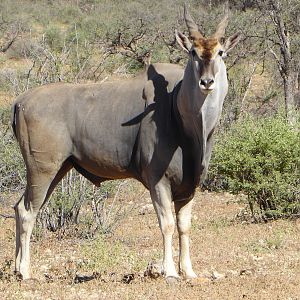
[221, 53]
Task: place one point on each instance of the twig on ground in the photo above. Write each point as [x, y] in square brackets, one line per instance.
[7, 216]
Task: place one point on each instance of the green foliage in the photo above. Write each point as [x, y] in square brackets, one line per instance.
[260, 158]
[54, 38]
[102, 256]
[276, 240]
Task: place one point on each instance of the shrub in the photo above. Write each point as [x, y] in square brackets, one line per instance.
[260, 158]
[12, 170]
[100, 255]
[77, 201]
[54, 38]
[24, 48]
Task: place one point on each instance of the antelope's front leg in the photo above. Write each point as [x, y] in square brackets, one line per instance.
[162, 201]
[183, 211]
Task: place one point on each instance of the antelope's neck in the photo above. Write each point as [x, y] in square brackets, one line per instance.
[200, 113]
[189, 103]
[197, 115]
[191, 133]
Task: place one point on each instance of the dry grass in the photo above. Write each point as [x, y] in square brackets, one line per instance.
[252, 261]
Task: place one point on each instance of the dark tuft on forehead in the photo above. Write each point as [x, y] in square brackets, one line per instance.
[206, 47]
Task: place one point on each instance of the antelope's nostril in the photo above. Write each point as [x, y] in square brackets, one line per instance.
[206, 82]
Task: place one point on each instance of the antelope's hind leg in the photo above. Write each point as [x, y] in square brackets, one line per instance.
[38, 189]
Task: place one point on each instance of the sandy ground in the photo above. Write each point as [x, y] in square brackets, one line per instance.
[235, 259]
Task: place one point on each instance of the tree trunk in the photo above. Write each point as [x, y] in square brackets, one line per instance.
[297, 94]
[289, 82]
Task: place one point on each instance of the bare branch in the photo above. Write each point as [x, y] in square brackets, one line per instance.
[248, 87]
[7, 216]
[10, 42]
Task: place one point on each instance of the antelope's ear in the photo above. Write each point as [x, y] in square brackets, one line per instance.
[183, 41]
[232, 42]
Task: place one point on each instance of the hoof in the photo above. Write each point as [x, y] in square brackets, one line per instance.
[172, 280]
[18, 275]
[21, 277]
[188, 276]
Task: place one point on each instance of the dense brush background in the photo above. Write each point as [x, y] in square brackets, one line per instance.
[93, 41]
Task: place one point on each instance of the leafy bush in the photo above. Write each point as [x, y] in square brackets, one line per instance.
[100, 255]
[260, 158]
[12, 170]
[54, 39]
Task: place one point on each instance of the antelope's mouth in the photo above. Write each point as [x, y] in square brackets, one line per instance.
[206, 91]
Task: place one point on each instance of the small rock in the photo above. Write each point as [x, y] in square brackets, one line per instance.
[216, 275]
[128, 278]
[48, 252]
[44, 268]
[213, 275]
[198, 281]
[257, 258]
[232, 273]
[246, 272]
[146, 209]
[154, 269]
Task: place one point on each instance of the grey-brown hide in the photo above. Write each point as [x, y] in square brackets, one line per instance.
[156, 128]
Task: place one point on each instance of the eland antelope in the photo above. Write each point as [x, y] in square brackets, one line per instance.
[156, 128]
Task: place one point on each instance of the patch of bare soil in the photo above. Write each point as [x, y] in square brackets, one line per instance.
[236, 260]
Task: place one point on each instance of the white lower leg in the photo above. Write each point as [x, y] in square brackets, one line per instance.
[26, 228]
[26, 210]
[185, 264]
[184, 212]
[18, 242]
[168, 262]
[162, 201]
[18, 246]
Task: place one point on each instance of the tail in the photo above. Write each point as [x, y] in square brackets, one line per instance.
[14, 119]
